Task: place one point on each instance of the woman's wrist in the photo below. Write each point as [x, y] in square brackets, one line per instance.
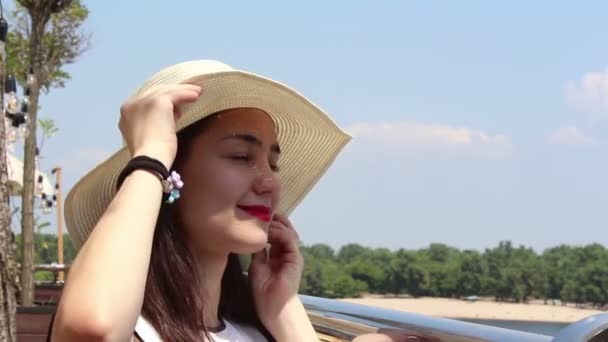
[292, 323]
[164, 157]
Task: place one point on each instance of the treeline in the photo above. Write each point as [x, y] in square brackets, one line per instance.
[507, 273]
[45, 252]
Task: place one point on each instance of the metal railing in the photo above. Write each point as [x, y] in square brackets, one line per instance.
[348, 320]
[56, 269]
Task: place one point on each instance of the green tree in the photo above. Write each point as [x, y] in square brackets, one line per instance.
[343, 286]
[438, 259]
[571, 292]
[438, 280]
[406, 276]
[532, 276]
[320, 251]
[381, 258]
[48, 35]
[312, 277]
[351, 251]
[559, 267]
[364, 270]
[470, 274]
[8, 265]
[339, 284]
[593, 277]
[440, 253]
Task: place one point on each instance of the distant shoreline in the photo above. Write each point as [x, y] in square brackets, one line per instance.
[466, 319]
[483, 310]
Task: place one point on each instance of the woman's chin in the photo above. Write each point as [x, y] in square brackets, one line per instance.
[254, 241]
[246, 249]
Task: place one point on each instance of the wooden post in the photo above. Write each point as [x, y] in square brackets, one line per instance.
[59, 220]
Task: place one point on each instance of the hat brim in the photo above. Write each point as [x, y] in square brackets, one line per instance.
[310, 141]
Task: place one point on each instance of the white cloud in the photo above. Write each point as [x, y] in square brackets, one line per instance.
[570, 135]
[590, 93]
[415, 138]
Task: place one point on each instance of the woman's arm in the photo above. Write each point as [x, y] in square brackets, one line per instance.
[104, 291]
[292, 323]
[103, 295]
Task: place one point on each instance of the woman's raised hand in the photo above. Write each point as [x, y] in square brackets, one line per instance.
[147, 121]
[275, 279]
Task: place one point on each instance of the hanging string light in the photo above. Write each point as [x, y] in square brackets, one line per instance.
[39, 190]
[44, 204]
[15, 111]
[47, 201]
[12, 113]
[36, 159]
[16, 118]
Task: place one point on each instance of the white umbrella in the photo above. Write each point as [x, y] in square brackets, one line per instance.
[15, 177]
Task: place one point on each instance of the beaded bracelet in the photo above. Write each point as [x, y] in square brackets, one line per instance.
[171, 182]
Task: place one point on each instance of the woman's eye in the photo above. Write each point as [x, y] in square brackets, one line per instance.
[248, 159]
[241, 158]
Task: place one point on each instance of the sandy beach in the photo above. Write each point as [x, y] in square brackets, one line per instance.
[483, 309]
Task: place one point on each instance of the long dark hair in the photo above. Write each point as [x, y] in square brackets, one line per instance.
[172, 300]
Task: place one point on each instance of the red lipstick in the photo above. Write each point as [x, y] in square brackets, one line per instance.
[258, 211]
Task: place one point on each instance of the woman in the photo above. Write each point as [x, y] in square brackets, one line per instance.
[159, 252]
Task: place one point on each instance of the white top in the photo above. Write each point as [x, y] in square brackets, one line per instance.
[234, 332]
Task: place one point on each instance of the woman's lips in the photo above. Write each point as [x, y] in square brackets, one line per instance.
[258, 211]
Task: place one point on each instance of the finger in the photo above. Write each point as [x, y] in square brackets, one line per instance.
[177, 113]
[189, 86]
[179, 96]
[259, 257]
[287, 229]
[282, 238]
[282, 218]
[174, 91]
[283, 222]
[163, 89]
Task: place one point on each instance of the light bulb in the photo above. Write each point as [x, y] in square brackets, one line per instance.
[11, 135]
[3, 30]
[12, 103]
[31, 79]
[10, 84]
[23, 132]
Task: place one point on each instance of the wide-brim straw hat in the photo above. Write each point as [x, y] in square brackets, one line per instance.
[310, 140]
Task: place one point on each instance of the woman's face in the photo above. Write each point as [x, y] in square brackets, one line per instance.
[231, 189]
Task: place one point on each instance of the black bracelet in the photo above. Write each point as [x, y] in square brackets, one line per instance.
[171, 182]
[143, 162]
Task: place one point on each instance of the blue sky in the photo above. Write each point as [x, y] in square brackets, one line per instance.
[473, 122]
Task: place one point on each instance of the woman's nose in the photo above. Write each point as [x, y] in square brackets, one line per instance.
[265, 180]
